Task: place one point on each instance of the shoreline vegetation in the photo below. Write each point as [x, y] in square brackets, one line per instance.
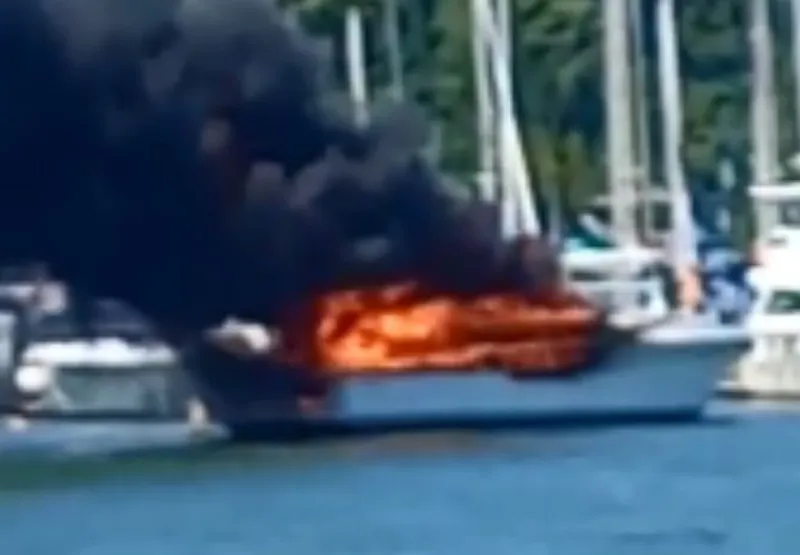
[558, 71]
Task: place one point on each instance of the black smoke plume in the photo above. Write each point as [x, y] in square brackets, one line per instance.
[178, 155]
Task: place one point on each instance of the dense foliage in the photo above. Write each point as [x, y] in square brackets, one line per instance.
[558, 68]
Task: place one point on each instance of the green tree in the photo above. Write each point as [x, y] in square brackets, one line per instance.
[559, 81]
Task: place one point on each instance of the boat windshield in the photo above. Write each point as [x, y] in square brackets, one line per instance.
[784, 301]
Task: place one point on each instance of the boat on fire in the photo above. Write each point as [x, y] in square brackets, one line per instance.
[546, 364]
[473, 331]
[426, 309]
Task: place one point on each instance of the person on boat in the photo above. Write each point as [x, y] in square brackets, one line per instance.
[723, 274]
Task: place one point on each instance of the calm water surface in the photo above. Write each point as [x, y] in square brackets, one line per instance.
[719, 488]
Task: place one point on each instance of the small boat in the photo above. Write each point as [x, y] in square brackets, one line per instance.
[101, 378]
[771, 368]
[119, 370]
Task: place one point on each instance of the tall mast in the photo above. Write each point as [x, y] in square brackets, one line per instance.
[684, 243]
[762, 113]
[356, 65]
[391, 31]
[643, 154]
[795, 5]
[619, 129]
[516, 185]
[487, 137]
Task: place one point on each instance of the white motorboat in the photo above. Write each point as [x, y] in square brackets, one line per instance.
[771, 368]
[106, 376]
[120, 369]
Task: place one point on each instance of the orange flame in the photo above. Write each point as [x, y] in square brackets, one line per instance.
[403, 328]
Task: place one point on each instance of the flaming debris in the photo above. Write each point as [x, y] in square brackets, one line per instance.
[178, 155]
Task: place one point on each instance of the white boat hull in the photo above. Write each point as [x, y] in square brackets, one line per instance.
[639, 382]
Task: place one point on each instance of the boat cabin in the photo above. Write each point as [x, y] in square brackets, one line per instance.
[774, 323]
[778, 209]
[631, 283]
[771, 369]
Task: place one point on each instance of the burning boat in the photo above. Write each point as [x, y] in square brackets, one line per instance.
[402, 300]
[402, 356]
[216, 183]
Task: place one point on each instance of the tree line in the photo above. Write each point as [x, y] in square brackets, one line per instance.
[558, 69]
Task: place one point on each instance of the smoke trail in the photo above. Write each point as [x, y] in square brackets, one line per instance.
[178, 155]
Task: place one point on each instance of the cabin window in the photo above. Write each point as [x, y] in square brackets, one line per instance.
[587, 275]
[789, 213]
[784, 302]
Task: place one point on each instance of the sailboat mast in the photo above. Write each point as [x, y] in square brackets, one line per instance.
[762, 113]
[795, 6]
[501, 21]
[356, 65]
[619, 130]
[512, 161]
[486, 117]
[643, 154]
[503, 10]
[391, 31]
[684, 243]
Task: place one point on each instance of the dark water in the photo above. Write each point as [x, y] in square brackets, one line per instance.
[718, 488]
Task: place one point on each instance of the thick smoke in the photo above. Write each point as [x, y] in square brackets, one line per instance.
[178, 155]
